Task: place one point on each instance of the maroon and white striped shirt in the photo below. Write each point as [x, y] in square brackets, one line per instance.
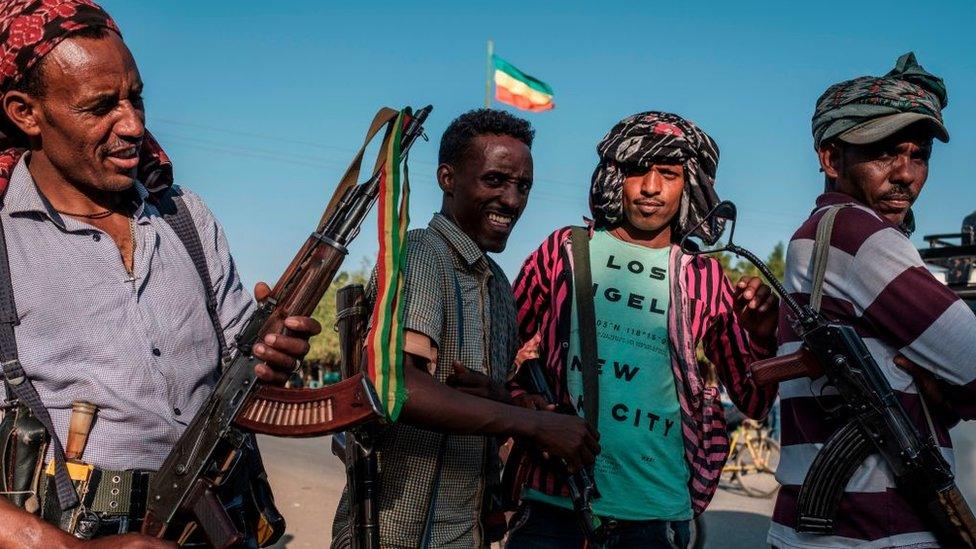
[877, 283]
[701, 311]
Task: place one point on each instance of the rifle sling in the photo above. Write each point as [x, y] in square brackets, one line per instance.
[177, 215]
[428, 534]
[19, 385]
[380, 120]
[586, 322]
[823, 486]
[821, 250]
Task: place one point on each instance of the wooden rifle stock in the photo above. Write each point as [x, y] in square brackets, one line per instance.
[211, 446]
[357, 449]
[210, 515]
[801, 363]
[958, 514]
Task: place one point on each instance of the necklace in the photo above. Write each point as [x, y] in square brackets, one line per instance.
[96, 215]
[132, 272]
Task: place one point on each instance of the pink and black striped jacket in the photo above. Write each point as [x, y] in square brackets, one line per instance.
[700, 312]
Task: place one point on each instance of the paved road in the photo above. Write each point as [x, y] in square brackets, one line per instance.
[308, 479]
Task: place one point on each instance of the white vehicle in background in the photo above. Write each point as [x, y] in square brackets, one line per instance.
[952, 259]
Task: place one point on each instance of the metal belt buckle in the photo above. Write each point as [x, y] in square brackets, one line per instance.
[13, 367]
[87, 525]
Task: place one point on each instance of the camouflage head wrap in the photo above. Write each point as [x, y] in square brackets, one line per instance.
[642, 140]
[907, 88]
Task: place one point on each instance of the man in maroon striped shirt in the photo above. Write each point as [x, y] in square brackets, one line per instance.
[873, 136]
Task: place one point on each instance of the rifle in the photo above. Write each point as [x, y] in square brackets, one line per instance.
[183, 492]
[876, 420]
[355, 446]
[582, 488]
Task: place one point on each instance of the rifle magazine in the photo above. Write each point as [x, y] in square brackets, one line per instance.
[829, 474]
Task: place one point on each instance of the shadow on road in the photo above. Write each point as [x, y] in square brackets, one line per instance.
[283, 542]
[735, 529]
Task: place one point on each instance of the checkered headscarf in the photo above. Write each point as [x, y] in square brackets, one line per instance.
[642, 140]
[29, 30]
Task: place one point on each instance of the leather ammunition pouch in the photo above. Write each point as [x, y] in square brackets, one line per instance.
[257, 516]
[23, 443]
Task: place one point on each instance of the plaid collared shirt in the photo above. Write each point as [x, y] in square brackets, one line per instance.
[453, 292]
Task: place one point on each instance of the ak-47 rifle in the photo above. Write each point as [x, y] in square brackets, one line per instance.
[182, 495]
[582, 489]
[877, 422]
[355, 446]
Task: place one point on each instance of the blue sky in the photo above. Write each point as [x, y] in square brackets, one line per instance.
[262, 104]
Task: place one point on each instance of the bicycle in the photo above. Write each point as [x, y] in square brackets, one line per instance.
[753, 458]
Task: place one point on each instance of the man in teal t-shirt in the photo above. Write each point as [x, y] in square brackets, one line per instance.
[641, 469]
[662, 438]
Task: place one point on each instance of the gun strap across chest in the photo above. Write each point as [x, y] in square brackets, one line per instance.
[177, 215]
[16, 381]
[821, 249]
[586, 322]
[19, 385]
[427, 536]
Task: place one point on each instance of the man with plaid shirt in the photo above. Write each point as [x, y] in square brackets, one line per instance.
[438, 462]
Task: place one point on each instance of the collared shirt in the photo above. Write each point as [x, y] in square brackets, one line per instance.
[141, 348]
[876, 282]
[453, 292]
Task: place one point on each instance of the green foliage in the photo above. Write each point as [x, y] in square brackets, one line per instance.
[735, 268]
[325, 346]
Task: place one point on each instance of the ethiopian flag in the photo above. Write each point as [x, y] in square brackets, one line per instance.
[384, 346]
[514, 87]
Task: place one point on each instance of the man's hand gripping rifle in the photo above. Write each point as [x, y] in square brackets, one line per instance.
[582, 489]
[184, 493]
[876, 421]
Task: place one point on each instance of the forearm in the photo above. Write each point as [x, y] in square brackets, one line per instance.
[433, 405]
[728, 348]
[19, 528]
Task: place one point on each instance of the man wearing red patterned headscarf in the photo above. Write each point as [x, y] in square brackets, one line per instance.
[101, 299]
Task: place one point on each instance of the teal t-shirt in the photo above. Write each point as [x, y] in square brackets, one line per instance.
[641, 472]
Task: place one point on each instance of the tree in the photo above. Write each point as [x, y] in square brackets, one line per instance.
[777, 261]
[737, 268]
[324, 347]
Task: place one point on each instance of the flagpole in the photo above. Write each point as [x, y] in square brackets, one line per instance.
[491, 51]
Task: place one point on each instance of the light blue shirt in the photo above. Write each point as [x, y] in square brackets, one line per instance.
[144, 351]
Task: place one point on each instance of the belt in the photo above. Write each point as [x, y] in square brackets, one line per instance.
[610, 524]
[112, 499]
[616, 524]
